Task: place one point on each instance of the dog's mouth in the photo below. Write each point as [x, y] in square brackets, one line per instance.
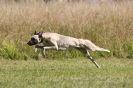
[30, 43]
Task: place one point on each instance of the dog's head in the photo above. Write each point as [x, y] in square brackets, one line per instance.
[35, 39]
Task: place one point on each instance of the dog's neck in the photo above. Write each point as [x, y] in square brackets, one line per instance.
[41, 39]
[40, 36]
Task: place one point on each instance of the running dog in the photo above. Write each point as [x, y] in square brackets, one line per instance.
[58, 41]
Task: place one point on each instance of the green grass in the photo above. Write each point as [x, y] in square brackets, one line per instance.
[66, 73]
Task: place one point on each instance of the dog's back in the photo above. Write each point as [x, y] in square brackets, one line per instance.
[62, 41]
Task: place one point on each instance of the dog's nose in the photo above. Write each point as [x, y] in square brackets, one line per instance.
[28, 43]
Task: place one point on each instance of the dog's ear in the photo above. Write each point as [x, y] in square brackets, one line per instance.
[40, 34]
[35, 33]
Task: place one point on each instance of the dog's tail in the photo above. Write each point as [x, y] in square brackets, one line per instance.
[102, 49]
[91, 46]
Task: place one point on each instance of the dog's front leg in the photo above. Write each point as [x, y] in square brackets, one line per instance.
[44, 52]
[55, 44]
[46, 48]
[39, 52]
[36, 50]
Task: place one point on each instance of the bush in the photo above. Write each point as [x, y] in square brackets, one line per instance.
[10, 51]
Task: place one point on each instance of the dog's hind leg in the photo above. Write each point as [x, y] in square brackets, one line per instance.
[84, 51]
[92, 59]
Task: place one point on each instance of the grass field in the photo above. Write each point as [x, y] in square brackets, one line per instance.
[66, 73]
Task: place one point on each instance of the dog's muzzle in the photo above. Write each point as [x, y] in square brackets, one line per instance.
[30, 43]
